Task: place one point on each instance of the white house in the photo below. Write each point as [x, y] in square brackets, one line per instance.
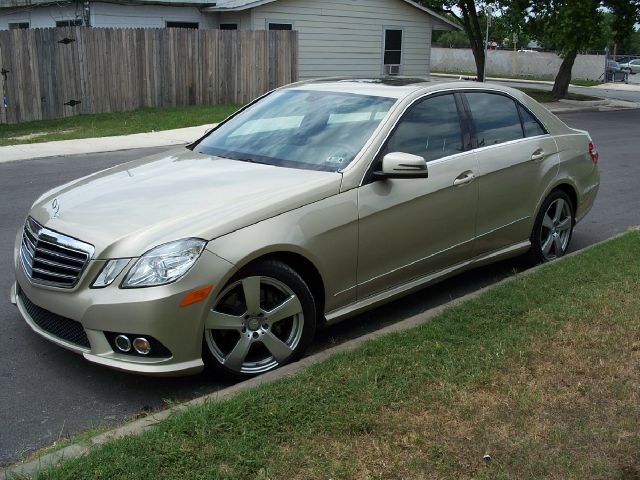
[336, 37]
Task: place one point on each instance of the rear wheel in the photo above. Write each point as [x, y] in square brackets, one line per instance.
[553, 228]
[263, 319]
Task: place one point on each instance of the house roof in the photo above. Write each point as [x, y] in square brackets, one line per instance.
[237, 5]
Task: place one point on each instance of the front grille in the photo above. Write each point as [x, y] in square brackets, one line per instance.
[51, 258]
[61, 327]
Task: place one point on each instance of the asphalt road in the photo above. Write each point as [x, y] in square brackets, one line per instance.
[47, 392]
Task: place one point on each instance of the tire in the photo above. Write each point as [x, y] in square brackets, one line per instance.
[553, 228]
[264, 318]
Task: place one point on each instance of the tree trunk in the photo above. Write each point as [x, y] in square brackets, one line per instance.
[561, 85]
[473, 31]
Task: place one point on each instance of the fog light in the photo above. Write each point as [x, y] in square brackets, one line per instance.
[123, 343]
[142, 346]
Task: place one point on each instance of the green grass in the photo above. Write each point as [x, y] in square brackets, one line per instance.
[547, 78]
[540, 372]
[544, 96]
[109, 124]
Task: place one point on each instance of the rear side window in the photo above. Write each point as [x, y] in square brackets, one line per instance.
[495, 117]
[531, 126]
[430, 129]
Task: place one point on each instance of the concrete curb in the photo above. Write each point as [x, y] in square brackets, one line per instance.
[139, 426]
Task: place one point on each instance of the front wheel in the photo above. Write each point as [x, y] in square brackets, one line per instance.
[263, 319]
[553, 228]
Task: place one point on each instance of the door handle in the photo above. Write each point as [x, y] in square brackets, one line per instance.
[538, 155]
[464, 178]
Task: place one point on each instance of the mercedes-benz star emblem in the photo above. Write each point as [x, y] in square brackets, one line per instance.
[55, 207]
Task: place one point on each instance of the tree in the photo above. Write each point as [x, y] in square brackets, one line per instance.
[470, 21]
[570, 26]
[626, 13]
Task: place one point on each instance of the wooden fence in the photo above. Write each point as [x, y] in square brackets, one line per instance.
[60, 72]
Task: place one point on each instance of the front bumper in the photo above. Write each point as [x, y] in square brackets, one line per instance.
[153, 311]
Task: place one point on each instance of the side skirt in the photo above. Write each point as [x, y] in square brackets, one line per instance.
[359, 306]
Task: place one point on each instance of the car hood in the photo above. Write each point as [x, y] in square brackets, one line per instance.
[128, 209]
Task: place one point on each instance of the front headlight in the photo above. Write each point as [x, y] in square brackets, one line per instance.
[165, 263]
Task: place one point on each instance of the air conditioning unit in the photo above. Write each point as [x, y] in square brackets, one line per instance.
[392, 69]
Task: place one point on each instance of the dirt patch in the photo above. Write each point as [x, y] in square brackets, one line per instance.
[31, 136]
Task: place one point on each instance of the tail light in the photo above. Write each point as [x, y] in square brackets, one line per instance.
[593, 153]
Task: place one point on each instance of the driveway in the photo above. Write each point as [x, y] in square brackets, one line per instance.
[47, 393]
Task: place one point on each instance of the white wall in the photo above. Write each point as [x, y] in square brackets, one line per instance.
[345, 37]
[110, 15]
[41, 17]
[538, 64]
[147, 16]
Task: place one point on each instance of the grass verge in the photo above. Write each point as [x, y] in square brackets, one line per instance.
[541, 373]
[547, 78]
[544, 96]
[109, 124]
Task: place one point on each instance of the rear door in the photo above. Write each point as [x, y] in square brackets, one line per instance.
[517, 158]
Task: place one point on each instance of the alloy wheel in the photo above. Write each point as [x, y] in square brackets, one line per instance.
[255, 326]
[555, 232]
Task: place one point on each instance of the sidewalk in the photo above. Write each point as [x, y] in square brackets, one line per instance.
[103, 144]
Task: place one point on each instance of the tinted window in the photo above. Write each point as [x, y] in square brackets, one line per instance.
[280, 26]
[531, 126]
[495, 117]
[69, 23]
[182, 25]
[392, 47]
[430, 129]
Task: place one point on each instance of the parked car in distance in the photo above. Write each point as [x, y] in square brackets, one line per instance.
[316, 202]
[615, 73]
[633, 66]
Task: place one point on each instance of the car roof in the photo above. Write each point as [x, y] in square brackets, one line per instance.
[393, 87]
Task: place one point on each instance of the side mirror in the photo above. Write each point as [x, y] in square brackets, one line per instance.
[402, 165]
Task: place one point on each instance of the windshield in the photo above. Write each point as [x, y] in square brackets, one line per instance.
[300, 129]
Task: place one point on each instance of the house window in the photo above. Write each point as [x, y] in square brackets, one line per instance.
[193, 25]
[69, 23]
[280, 26]
[228, 26]
[392, 47]
[18, 25]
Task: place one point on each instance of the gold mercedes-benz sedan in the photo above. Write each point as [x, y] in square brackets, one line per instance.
[316, 202]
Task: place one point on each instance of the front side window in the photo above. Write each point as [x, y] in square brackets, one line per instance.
[306, 129]
[228, 26]
[18, 25]
[430, 129]
[495, 117]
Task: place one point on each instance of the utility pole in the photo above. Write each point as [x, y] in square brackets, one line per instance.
[486, 43]
[514, 60]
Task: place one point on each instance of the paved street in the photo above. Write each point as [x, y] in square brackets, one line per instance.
[47, 393]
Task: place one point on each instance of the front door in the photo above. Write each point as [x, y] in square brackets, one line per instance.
[412, 227]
